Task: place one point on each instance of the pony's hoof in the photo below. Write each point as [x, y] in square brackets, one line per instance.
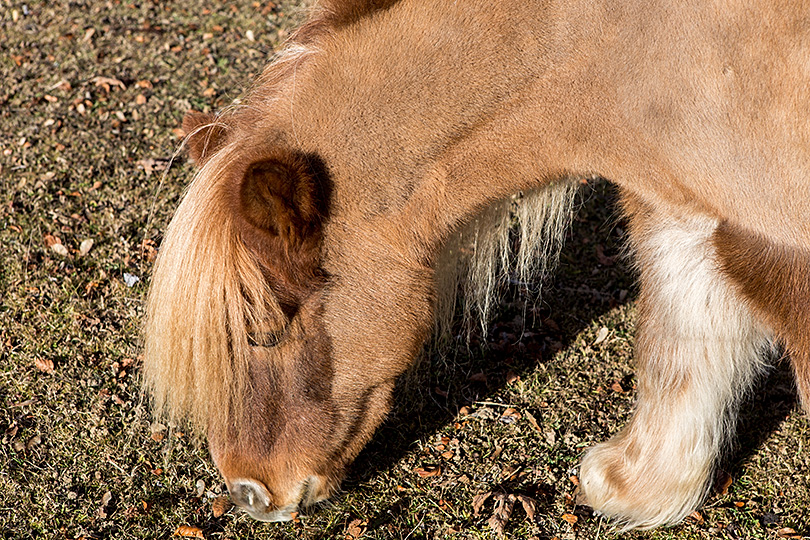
[636, 492]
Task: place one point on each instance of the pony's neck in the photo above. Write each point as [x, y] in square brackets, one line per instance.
[422, 137]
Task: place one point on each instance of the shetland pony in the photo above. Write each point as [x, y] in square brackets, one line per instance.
[373, 165]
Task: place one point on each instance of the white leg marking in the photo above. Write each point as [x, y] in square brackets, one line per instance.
[698, 350]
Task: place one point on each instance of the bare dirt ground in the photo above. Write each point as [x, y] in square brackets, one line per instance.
[484, 438]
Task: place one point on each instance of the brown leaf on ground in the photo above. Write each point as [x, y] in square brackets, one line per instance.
[533, 421]
[510, 416]
[601, 335]
[478, 502]
[723, 482]
[428, 470]
[602, 258]
[697, 516]
[32, 442]
[45, 365]
[356, 529]
[570, 518]
[108, 82]
[787, 532]
[220, 505]
[186, 531]
[504, 504]
[60, 249]
[529, 506]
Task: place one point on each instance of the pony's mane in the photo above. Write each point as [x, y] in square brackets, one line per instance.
[481, 257]
[206, 283]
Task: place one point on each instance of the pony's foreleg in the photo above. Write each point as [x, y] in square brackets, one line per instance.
[698, 348]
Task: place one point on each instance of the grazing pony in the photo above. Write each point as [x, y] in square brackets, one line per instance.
[377, 160]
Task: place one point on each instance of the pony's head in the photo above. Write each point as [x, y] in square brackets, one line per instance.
[299, 276]
[277, 341]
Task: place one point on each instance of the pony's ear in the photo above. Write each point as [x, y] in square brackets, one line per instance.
[204, 136]
[284, 197]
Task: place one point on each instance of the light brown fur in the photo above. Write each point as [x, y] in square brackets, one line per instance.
[322, 233]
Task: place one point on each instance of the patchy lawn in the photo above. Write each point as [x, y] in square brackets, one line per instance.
[91, 95]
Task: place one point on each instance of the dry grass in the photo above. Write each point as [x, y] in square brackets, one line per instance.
[82, 158]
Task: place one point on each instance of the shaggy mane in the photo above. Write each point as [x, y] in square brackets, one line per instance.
[206, 283]
[480, 257]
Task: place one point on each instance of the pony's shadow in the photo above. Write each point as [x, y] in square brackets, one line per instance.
[592, 278]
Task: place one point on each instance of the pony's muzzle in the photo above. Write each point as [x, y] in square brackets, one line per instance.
[254, 498]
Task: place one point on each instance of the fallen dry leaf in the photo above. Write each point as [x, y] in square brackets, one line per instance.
[51, 240]
[186, 531]
[32, 442]
[603, 259]
[45, 365]
[570, 518]
[25, 403]
[356, 529]
[108, 82]
[85, 246]
[529, 506]
[220, 505]
[723, 482]
[509, 416]
[533, 421]
[504, 504]
[428, 470]
[697, 516]
[787, 532]
[601, 335]
[478, 502]
[60, 249]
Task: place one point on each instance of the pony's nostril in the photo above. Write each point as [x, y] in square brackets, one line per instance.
[250, 495]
